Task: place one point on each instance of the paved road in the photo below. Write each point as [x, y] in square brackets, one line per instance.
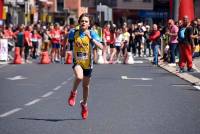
[196, 61]
[146, 100]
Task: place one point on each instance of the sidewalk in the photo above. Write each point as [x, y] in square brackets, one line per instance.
[197, 65]
[193, 78]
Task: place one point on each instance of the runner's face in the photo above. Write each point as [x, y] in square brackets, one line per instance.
[84, 23]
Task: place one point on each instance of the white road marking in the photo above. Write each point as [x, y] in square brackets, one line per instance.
[138, 61]
[181, 85]
[18, 77]
[47, 94]
[57, 88]
[32, 102]
[197, 87]
[142, 85]
[64, 83]
[127, 78]
[10, 112]
[70, 78]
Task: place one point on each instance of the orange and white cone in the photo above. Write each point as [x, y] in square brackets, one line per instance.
[17, 58]
[69, 58]
[44, 58]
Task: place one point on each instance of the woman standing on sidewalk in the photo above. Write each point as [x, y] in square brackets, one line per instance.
[106, 40]
[84, 42]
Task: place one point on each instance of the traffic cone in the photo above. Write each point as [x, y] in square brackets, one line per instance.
[17, 59]
[100, 57]
[44, 58]
[129, 58]
[69, 57]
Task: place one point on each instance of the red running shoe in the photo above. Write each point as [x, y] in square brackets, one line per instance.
[84, 112]
[72, 98]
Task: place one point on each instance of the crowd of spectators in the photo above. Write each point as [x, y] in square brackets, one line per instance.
[175, 41]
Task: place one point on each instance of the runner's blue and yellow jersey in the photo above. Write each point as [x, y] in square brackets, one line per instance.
[83, 56]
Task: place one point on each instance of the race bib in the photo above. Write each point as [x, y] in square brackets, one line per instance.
[82, 56]
[57, 36]
[108, 38]
[34, 39]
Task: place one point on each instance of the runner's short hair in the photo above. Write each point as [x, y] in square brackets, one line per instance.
[83, 15]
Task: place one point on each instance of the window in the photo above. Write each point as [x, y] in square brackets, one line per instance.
[111, 3]
[60, 5]
[147, 1]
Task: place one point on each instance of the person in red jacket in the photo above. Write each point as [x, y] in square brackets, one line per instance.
[27, 43]
[155, 39]
[186, 47]
[55, 40]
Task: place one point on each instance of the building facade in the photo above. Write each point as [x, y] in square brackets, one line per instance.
[68, 11]
[122, 10]
[197, 8]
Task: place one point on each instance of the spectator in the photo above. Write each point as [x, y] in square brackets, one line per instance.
[55, 40]
[27, 43]
[20, 40]
[195, 38]
[106, 40]
[186, 46]
[132, 45]
[198, 26]
[138, 38]
[118, 44]
[112, 43]
[173, 42]
[155, 38]
[147, 44]
[126, 37]
[35, 42]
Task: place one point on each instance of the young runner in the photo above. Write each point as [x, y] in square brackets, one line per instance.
[84, 42]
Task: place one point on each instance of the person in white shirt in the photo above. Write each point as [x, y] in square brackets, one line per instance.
[118, 44]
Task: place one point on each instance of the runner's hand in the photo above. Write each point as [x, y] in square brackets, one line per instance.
[87, 33]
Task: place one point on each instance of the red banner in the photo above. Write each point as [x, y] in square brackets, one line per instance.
[1, 9]
[186, 8]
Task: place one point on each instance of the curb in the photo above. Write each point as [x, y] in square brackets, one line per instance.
[185, 76]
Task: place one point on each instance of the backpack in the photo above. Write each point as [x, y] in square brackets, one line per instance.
[181, 34]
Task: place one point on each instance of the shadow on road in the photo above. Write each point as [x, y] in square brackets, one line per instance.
[50, 120]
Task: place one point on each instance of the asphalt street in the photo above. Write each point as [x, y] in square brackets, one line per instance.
[124, 99]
